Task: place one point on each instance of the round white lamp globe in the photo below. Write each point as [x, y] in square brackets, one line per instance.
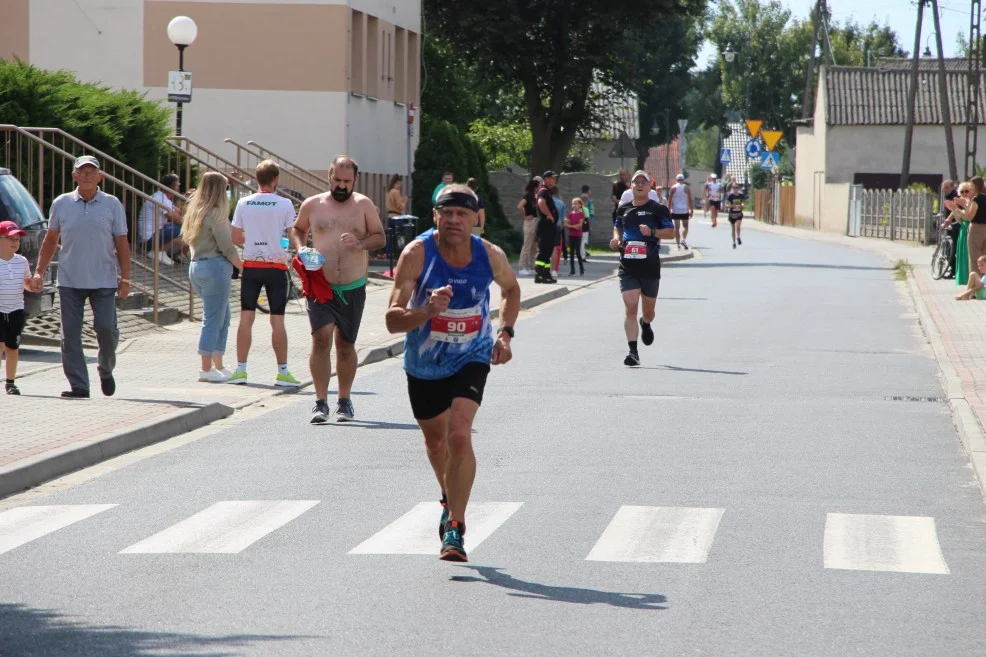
[182, 31]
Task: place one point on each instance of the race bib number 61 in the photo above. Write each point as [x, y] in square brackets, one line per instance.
[457, 326]
[635, 251]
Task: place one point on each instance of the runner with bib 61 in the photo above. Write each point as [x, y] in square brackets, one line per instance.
[640, 226]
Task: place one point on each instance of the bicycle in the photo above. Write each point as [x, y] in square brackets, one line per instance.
[941, 260]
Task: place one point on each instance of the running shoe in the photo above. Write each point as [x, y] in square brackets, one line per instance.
[345, 411]
[11, 388]
[213, 376]
[443, 521]
[684, 244]
[734, 245]
[453, 547]
[287, 381]
[646, 332]
[239, 378]
[739, 241]
[320, 412]
[632, 360]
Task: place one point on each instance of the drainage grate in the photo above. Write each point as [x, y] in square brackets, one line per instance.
[936, 400]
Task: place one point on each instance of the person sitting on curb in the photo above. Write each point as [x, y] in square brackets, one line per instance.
[975, 288]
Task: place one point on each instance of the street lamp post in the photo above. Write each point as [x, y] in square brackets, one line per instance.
[182, 32]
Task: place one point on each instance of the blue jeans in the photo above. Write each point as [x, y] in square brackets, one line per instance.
[212, 280]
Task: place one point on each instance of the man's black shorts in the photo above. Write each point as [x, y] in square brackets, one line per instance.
[432, 397]
[273, 281]
[715, 204]
[11, 327]
[345, 310]
[648, 285]
[681, 217]
[733, 220]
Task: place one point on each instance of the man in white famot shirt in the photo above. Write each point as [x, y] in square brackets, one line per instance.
[259, 223]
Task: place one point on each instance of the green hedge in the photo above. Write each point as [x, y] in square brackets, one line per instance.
[442, 147]
[124, 124]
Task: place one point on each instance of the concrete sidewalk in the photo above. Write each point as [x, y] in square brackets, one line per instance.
[955, 330]
[158, 395]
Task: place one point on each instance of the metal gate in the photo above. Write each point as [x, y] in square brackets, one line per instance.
[892, 214]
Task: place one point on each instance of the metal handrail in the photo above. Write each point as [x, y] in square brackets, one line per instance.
[308, 189]
[233, 172]
[298, 170]
[125, 186]
[104, 157]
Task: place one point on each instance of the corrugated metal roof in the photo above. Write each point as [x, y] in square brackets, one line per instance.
[871, 96]
[924, 64]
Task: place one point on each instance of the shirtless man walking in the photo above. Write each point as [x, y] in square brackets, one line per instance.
[344, 226]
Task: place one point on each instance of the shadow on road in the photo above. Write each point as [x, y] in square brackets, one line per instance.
[562, 593]
[370, 424]
[28, 632]
[673, 368]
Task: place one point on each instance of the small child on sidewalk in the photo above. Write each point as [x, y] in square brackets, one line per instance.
[15, 277]
[573, 224]
[976, 287]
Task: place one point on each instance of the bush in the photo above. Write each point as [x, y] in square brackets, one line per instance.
[123, 124]
[443, 147]
[502, 144]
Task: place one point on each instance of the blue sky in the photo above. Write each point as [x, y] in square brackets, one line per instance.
[901, 15]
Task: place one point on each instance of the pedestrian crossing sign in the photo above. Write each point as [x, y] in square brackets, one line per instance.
[726, 155]
[770, 161]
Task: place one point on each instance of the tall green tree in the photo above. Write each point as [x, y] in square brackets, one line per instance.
[555, 50]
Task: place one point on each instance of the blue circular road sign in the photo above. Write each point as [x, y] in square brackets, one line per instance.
[753, 149]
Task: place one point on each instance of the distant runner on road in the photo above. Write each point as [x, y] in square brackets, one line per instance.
[441, 300]
[639, 227]
[734, 200]
[714, 191]
[682, 206]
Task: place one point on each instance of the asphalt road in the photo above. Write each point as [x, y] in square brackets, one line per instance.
[781, 477]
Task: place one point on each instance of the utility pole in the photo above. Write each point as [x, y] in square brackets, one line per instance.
[808, 104]
[912, 92]
[946, 110]
[973, 89]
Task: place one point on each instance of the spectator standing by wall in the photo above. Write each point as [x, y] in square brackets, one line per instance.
[91, 227]
[396, 199]
[480, 227]
[447, 179]
[619, 187]
[528, 209]
[590, 216]
[573, 225]
[207, 233]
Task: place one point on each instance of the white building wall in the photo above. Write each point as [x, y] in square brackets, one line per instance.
[402, 13]
[300, 125]
[807, 156]
[880, 149]
[378, 135]
[98, 40]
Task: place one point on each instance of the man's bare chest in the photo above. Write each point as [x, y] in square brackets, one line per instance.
[334, 223]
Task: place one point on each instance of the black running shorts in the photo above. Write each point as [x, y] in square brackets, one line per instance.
[680, 217]
[11, 327]
[432, 397]
[715, 204]
[272, 280]
[648, 286]
[345, 310]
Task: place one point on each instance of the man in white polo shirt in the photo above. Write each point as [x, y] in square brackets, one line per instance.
[259, 223]
[92, 229]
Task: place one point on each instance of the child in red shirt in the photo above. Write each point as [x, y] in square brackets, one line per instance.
[573, 223]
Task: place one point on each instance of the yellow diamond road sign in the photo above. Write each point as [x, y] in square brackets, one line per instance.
[753, 127]
[771, 137]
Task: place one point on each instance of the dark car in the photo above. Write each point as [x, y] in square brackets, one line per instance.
[17, 205]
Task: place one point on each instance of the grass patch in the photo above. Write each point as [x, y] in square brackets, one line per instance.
[902, 269]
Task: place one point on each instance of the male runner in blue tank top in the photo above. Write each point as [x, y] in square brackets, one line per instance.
[638, 230]
[441, 299]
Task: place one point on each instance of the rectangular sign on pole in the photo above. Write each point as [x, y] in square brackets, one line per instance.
[770, 161]
[753, 127]
[770, 138]
[179, 86]
[726, 156]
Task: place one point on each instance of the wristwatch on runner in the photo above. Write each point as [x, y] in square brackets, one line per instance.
[509, 330]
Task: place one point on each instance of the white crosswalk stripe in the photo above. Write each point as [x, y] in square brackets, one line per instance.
[224, 527]
[655, 534]
[416, 532]
[903, 544]
[24, 524]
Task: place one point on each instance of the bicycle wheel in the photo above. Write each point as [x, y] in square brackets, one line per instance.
[939, 261]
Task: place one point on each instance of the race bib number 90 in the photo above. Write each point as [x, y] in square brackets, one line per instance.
[635, 251]
[457, 326]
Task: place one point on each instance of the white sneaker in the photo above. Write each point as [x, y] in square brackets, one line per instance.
[163, 258]
[524, 272]
[213, 376]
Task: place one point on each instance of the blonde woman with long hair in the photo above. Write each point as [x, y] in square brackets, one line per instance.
[207, 232]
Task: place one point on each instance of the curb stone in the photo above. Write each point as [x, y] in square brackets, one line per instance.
[30, 472]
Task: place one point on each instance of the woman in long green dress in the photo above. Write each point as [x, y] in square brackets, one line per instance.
[959, 208]
[962, 256]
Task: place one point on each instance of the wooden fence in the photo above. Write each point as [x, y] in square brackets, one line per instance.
[774, 205]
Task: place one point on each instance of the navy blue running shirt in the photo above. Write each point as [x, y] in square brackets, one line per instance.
[640, 254]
